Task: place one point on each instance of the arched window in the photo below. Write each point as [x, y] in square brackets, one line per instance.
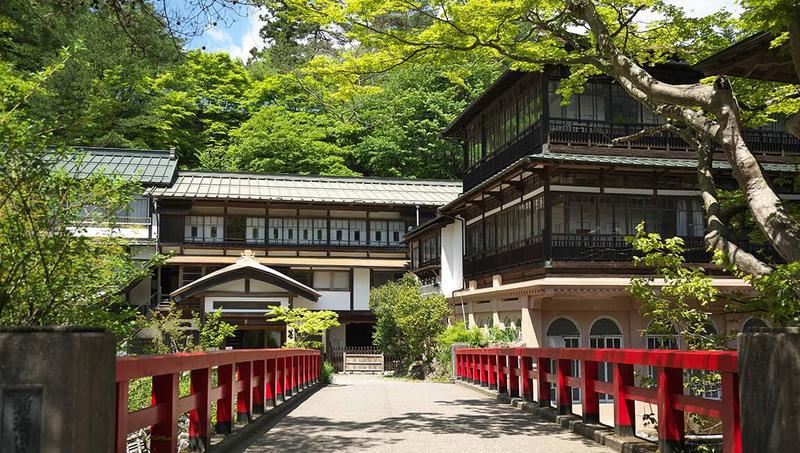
[563, 333]
[507, 323]
[605, 333]
[518, 323]
[754, 323]
[661, 335]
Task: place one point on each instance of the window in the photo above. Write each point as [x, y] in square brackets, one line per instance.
[339, 232]
[378, 231]
[203, 229]
[396, 229]
[235, 228]
[255, 230]
[358, 232]
[332, 280]
[306, 231]
[589, 105]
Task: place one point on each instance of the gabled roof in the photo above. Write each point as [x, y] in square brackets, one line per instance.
[151, 168]
[245, 267]
[323, 189]
[752, 58]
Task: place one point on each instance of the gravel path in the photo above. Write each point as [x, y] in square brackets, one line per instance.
[361, 413]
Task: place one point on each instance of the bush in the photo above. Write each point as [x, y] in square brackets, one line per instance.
[408, 323]
[327, 372]
[457, 333]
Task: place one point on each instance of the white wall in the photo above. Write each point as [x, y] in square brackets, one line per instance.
[452, 258]
[329, 300]
[140, 294]
[361, 281]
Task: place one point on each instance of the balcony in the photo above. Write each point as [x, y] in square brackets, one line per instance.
[579, 132]
[529, 251]
[527, 143]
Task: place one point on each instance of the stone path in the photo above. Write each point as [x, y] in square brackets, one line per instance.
[371, 413]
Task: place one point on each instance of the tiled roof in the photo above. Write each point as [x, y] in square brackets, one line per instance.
[148, 167]
[267, 187]
[655, 162]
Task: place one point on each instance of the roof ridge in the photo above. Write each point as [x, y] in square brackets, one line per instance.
[293, 176]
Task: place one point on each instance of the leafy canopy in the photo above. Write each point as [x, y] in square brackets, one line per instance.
[305, 326]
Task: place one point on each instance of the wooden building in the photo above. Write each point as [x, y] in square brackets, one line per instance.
[537, 238]
[336, 237]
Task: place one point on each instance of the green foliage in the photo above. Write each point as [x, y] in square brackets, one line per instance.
[684, 296]
[408, 323]
[170, 332]
[51, 273]
[453, 334]
[305, 326]
[327, 372]
[503, 336]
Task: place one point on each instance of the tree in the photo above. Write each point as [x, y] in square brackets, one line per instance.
[51, 273]
[408, 322]
[305, 326]
[170, 332]
[611, 41]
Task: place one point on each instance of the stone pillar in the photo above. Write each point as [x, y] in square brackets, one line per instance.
[769, 367]
[57, 389]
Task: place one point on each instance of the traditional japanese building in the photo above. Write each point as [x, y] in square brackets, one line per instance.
[239, 243]
[537, 238]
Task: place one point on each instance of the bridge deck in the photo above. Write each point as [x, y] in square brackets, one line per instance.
[371, 413]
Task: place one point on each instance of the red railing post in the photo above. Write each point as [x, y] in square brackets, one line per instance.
[491, 374]
[244, 398]
[279, 379]
[470, 368]
[502, 382]
[164, 435]
[200, 417]
[270, 378]
[624, 408]
[527, 366]
[513, 378]
[225, 378]
[287, 378]
[120, 434]
[543, 387]
[259, 375]
[292, 374]
[482, 365]
[670, 420]
[591, 404]
[563, 397]
[731, 420]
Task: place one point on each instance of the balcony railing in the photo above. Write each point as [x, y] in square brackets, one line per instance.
[527, 143]
[524, 252]
[579, 132]
[310, 243]
[611, 247]
[529, 373]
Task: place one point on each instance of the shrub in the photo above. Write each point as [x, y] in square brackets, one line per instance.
[305, 326]
[408, 322]
[327, 372]
[456, 333]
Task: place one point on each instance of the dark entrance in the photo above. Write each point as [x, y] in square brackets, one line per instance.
[359, 334]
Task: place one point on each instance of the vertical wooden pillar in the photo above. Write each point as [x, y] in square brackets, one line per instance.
[525, 372]
[279, 379]
[225, 378]
[513, 376]
[491, 374]
[259, 375]
[502, 382]
[200, 418]
[483, 379]
[269, 387]
[543, 387]
[287, 378]
[670, 421]
[624, 408]
[731, 414]
[164, 435]
[120, 436]
[591, 403]
[244, 398]
[563, 393]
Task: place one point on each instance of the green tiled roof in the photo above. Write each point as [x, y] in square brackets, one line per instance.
[656, 162]
[151, 168]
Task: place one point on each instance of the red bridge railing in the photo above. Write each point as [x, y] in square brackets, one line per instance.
[258, 377]
[513, 370]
